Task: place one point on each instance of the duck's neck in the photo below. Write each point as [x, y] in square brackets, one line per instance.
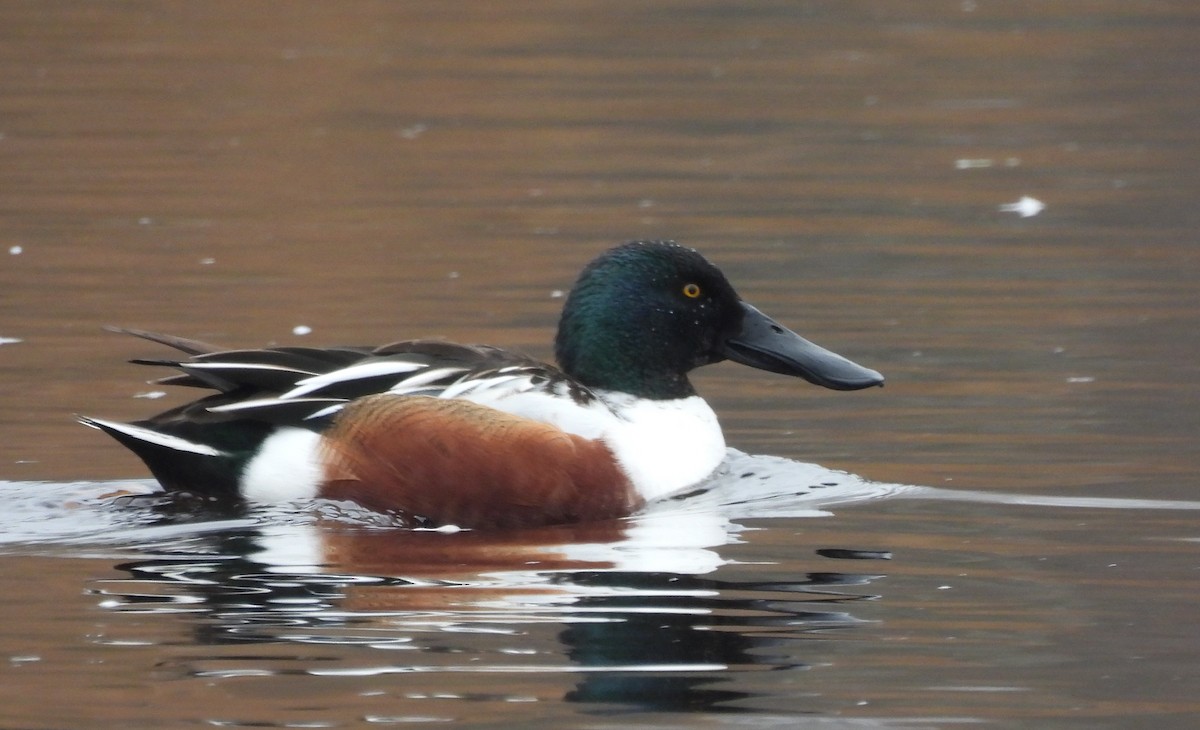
[614, 356]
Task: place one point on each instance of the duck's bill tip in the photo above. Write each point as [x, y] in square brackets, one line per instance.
[767, 345]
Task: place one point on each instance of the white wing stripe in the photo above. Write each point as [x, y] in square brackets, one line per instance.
[154, 437]
[326, 411]
[250, 405]
[426, 377]
[463, 387]
[354, 372]
[240, 366]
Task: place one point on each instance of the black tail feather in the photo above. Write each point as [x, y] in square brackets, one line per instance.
[177, 463]
[191, 347]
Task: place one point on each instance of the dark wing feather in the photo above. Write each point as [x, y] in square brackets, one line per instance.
[191, 347]
[308, 359]
[271, 379]
[284, 412]
[279, 369]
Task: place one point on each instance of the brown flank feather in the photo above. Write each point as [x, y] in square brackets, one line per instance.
[452, 462]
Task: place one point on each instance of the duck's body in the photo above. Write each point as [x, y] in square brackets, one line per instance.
[477, 436]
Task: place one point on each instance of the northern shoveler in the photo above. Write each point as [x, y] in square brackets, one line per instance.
[476, 436]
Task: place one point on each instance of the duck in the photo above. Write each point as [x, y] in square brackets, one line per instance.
[441, 434]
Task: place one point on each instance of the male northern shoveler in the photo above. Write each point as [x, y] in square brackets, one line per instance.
[477, 436]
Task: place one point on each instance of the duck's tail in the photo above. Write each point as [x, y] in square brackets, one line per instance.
[178, 463]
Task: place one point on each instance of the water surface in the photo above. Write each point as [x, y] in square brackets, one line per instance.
[230, 171]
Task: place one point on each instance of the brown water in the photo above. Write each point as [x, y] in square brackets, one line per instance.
[375, 170]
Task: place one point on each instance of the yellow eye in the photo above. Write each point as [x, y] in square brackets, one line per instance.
[691, 291]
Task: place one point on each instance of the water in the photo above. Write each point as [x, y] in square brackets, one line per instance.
[373, 171]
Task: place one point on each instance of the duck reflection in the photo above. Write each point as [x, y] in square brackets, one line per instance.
[635, 612]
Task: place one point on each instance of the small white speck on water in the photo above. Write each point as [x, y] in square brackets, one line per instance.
[557, 294]
[151, 394]
[1026, 207]
[15, 250]
[1081, 379]
[301, 329]
[207, 261]
[414, 131]
[10, 340]
[145, 221]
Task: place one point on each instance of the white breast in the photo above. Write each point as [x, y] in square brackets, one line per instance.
[666, 445]
[663, 445]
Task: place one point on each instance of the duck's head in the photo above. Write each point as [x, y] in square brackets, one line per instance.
[645, 314]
